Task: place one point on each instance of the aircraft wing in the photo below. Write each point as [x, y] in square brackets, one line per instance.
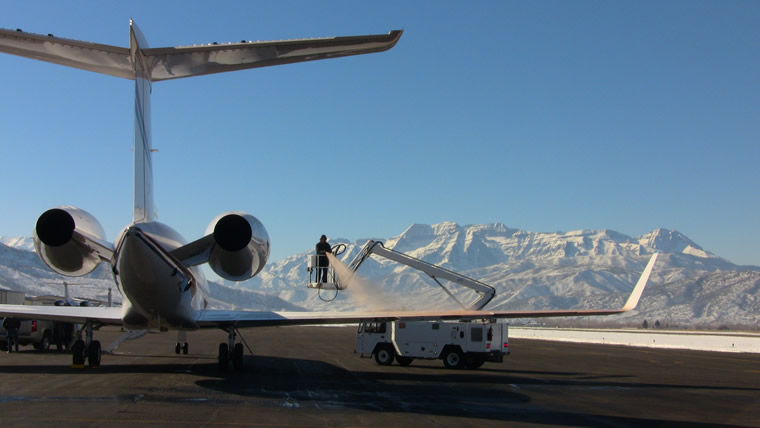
[185, 61]
[216, 318]
[75, 314]
[219, 318]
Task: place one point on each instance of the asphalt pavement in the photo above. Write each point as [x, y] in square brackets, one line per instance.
[310, 376]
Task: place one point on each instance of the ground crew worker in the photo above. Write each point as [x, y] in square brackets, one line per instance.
[11, 326]
[323, 263]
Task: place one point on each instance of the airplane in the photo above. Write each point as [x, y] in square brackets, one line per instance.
[157, 270]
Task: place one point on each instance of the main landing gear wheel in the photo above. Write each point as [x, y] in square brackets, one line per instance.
[181, 348]
[237, 357]
[231, 351]
[78, 354]
[224, 356]
[94, 353]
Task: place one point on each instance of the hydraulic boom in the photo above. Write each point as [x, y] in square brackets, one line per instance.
[486, 292]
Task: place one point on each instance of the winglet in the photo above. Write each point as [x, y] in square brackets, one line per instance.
[633, 300]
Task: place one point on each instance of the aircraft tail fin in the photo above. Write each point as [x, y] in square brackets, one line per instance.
[144, 207]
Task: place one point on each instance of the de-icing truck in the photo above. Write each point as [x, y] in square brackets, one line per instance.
[459, 344]
[466, 344]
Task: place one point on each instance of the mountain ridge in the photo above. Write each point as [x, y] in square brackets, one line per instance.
[578, 269]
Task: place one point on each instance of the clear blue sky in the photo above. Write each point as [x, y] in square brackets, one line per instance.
[542, 115]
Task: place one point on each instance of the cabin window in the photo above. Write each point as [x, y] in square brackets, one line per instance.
[373, 327]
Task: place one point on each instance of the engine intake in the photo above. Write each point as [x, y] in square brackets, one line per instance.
[241, 246]
[59, 240]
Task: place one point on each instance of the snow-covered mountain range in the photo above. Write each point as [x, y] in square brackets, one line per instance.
[579, 269]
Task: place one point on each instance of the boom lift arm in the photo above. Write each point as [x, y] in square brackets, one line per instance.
[485, 291]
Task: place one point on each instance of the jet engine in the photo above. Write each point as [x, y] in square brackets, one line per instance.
[241, 246]
[62, 238]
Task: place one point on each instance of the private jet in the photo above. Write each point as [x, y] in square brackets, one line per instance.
[156, 270]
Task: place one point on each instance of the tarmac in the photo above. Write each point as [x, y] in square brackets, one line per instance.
[309, 376]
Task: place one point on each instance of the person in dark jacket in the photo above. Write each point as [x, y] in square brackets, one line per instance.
[11, 326]
[323, 263]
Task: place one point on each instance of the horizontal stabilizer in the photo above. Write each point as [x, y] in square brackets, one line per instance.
[186, 61]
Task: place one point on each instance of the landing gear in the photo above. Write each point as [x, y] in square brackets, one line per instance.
[181, 348]
[182, 345]
[237, 357]
[93, 353]
[87, 349]
[231, 350]
[78, 354]
[224, 356]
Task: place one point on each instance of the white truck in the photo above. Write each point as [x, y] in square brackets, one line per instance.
[464, 344]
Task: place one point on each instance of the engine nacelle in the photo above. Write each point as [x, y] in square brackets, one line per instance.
[58, 239]
[241, 246]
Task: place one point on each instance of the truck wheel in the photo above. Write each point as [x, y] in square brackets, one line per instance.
[453, 358]
[44, 344]
[404, 361]
[473, 362]
[384, 356]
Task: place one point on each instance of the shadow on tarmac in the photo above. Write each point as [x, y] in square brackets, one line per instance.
[488, 394]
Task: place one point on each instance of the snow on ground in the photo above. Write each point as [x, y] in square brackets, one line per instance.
[702, 341]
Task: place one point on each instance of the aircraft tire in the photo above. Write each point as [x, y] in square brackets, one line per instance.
[177, 348]
[78, 353]
[224, 356]
[94, 353]
[237, 356]
[185, 348]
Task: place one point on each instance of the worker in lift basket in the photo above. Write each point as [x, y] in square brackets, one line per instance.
[323, 263]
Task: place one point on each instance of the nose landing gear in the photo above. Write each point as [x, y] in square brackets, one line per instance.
[182, 345]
